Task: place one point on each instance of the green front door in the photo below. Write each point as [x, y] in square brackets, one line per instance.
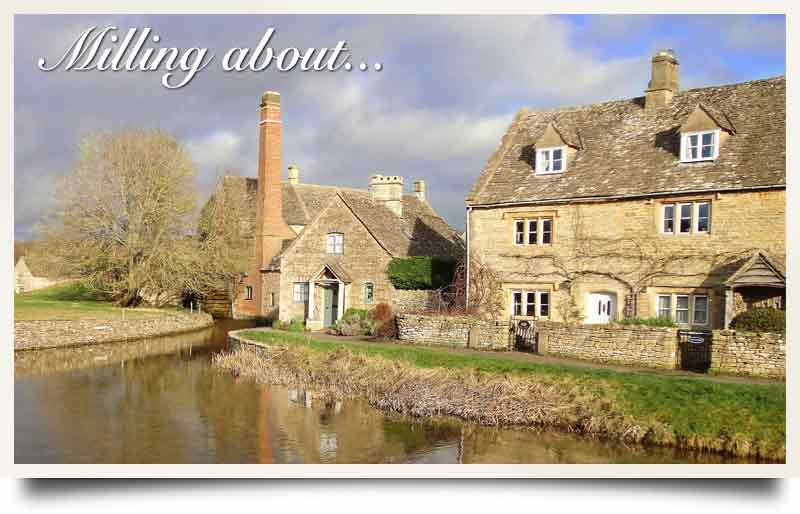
[331, 305]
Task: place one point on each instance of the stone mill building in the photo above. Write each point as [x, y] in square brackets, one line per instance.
[318, 249]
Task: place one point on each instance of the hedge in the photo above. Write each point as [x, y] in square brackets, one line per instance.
[761, 319]
[421, 272]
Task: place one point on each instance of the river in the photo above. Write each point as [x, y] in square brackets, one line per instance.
[161, 401]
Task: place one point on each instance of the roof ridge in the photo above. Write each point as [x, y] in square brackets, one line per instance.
[572, 108]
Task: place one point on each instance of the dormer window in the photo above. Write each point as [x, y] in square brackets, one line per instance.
[700, 146]
[551, 160]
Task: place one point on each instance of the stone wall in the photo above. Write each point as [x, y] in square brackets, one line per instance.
[452, 331]
[651, 347]
[410, 300]
[741, 221]
[40, 334]
[749, 353]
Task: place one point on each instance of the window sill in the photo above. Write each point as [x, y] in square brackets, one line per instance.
[545, 173]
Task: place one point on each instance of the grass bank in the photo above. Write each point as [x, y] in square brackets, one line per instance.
[741, 419]
[72, 301]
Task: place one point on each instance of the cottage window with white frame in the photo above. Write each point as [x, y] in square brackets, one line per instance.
[248, 292]
[534, 304]
[535, 231]
[686, 218]
[369, 292]
[551, 160]
[300, 292]
[688, 309]
[335, 243]
[700, 146]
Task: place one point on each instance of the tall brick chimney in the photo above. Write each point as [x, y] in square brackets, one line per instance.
[271, 229]
[293, 174]
[663, 83]
[388, 191]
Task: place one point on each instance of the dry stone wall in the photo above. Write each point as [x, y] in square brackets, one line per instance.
[749, 353]
[453, 331]
[651, 347]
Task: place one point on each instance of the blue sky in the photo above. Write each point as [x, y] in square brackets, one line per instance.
[449, 87]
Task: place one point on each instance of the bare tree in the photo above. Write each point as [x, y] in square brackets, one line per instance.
[124, 217]
[485, 294]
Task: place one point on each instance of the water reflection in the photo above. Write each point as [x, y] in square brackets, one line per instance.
[160, 401]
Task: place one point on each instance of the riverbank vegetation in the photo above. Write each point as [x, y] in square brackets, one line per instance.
[742, 419]
[72, 301]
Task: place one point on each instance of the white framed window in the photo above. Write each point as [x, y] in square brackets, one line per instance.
[686, 218]
[700, 146]
[519, 232]
[535, 231]
[335, 243]
[551, 160]
[685, 309]
[668, 219]
[248, 292]
[700, 314]
[532, 303]
[665, 306]
[300, 292]
[702, 217]
[369, 292]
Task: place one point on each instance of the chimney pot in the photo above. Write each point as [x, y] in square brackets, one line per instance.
[419, 189]
[663, 83]
[293, 174]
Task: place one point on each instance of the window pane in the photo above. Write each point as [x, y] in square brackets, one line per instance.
[664, 306]
[519, 232]
[682, 309]
[369, 290]
[708, 152]
[530, 304]
[557, 160]
[701, 310]
[517, 304]
[547, 230]
[686, 217]
[544, 304]
[669, 218]
[708, 138]
[703, 217]
[532, 226]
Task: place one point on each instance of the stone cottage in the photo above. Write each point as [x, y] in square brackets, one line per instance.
[29, 275]
[670, 204]
[319, 250]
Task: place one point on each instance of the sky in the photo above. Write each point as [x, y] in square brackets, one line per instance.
[448, 89]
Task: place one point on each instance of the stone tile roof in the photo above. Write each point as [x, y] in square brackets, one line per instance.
[626, 151]
[420, 231]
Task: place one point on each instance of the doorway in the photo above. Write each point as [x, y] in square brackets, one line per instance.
[602, 308]
[331, 304]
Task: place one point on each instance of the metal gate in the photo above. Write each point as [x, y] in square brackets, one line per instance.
[694, 350]
[524, 337]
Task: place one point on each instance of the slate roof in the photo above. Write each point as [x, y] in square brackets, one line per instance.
[625, 151]
[420, 231]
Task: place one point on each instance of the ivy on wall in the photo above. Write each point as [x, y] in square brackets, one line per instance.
[420, 272]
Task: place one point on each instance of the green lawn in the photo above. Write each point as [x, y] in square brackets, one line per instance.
[69, 302]
[692, 407]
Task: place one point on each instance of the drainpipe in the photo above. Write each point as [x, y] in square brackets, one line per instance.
[466, 287]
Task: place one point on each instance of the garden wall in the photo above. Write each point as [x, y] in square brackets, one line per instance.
[453, 331]
[651, 347]
[410, 300]
[749, 353]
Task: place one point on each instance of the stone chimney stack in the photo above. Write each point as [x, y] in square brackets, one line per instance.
[663, 83]
[388, 191]
[419, 189]
[271, 228]
[293, 174]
